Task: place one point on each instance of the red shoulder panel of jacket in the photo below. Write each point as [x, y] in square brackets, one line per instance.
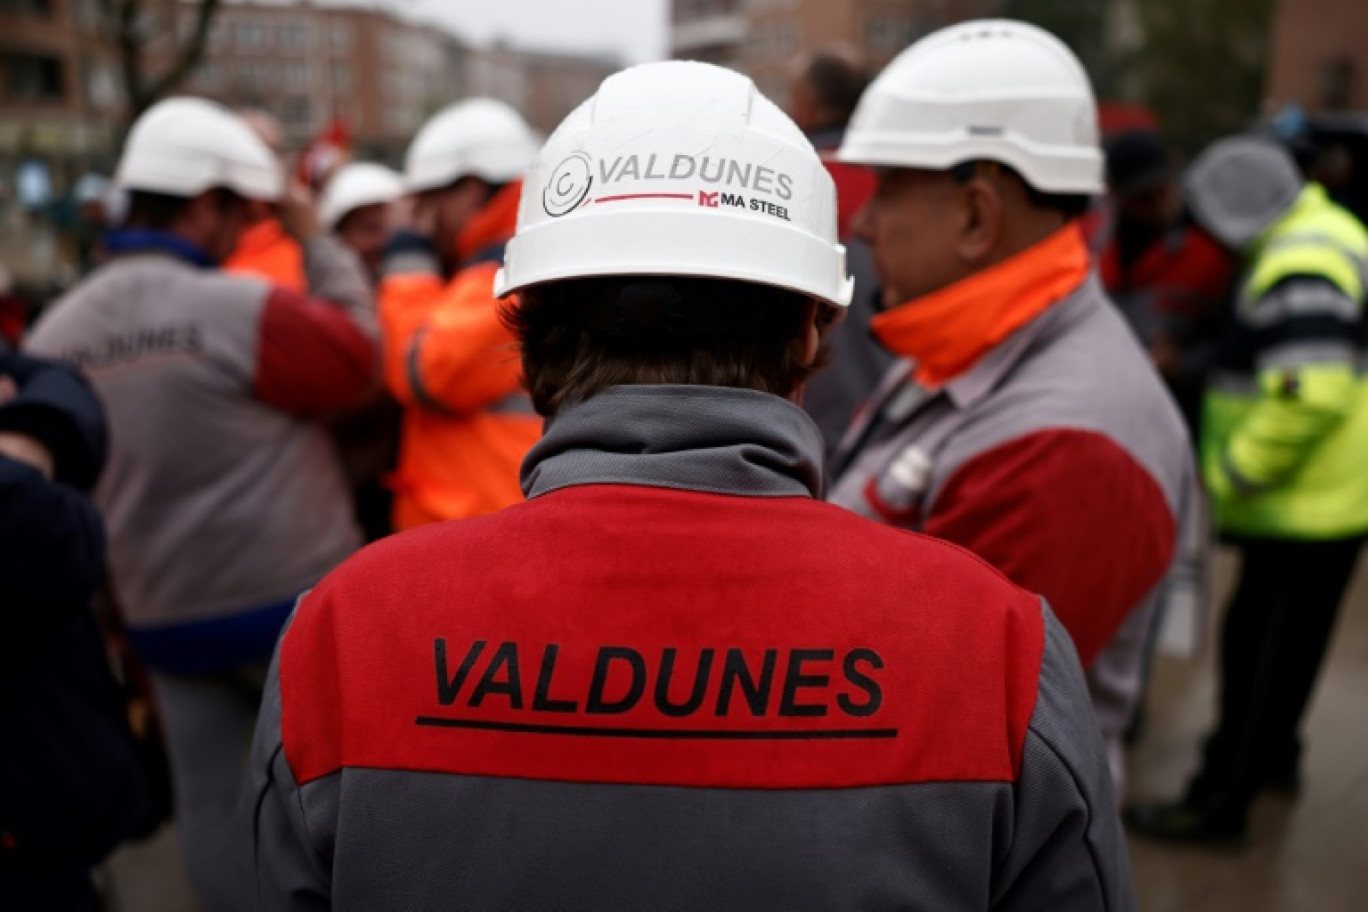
[855, 184]
[640, 635]
[1067, 513]
[311, 357]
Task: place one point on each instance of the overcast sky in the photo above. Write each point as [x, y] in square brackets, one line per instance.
[632, 30]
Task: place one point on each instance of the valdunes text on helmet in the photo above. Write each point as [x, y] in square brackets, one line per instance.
[571, 182]
[678, 169]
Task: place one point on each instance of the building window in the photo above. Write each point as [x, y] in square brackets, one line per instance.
[208, 76]
[888, 32]
[292, 37]
[34, 77]
[787, 38]
[257, 76]
[103, 87]
[1337, 84]
[295, 113]
[339, 36]
[876, 27]
[399, 119]
[249, 36]
[27, 7]
[341, 77]
[218, 35]
[295, 74]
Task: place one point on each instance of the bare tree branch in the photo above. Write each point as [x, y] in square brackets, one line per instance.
[126, 20]
[190, 52]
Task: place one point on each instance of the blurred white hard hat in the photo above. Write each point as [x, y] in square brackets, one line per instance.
[184, 146]
[480, 138]
[354, 186]
[993, 90]
[679, 169]
[1240, 186]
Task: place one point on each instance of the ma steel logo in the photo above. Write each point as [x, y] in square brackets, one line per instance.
[569, 185]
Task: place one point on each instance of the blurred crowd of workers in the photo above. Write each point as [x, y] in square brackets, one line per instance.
[590, 351]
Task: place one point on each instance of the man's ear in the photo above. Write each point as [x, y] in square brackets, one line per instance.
[981, 220]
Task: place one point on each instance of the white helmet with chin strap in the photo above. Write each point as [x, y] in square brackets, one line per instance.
[185, 146]
[479, 137]
[355, 186]
[992, 90]
[679, 169]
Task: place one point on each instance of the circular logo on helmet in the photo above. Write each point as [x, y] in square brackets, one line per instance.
[568, 185]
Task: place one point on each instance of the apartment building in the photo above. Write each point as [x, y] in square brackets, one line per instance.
[763, 37]
[59, 85]
[1319, 56]
[308, 62]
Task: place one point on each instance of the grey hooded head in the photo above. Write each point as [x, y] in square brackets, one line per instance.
[1240, 186]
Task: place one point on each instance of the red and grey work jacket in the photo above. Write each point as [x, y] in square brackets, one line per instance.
[1060, 459]
[672, 679]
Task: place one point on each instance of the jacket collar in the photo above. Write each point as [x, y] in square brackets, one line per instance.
[492, 226]
[947, 333]
[141, 240]
[712, 439]
[971, 386]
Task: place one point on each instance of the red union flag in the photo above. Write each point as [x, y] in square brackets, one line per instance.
[707, 199]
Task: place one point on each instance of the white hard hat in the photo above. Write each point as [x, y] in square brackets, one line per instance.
[679, 169]
[354, 186]
[480, 138]
[1240, 186]
[993, 90]
[184, 146]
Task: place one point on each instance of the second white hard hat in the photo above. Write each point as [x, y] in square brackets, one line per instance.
[480, 138]
[993, 90]
[185, 146]
[1240, 186]
[679, 169]
[354, 186]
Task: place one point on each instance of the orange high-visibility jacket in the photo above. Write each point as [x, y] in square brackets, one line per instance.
[266, 251]
[455, 369]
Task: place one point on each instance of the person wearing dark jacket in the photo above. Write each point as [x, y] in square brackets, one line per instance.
[71, 786]
[825, 88]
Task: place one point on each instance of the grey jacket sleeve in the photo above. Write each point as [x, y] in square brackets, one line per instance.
[287, 870]
[1067, 850]
[335, 274]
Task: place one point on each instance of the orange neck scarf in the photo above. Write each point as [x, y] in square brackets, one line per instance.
[493, 224]
[948, 331]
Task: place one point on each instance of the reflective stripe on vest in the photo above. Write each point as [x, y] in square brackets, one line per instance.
[515, 403]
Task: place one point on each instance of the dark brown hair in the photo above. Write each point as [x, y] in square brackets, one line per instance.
[159, 211]
[580, 336]
[837, 82]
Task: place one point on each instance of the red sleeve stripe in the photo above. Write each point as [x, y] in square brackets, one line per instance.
[311, 357]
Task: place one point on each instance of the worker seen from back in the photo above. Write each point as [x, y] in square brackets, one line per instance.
[1022, 420]
[223, 496]
[673, 678]
[448, 360]
[1285, 458]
